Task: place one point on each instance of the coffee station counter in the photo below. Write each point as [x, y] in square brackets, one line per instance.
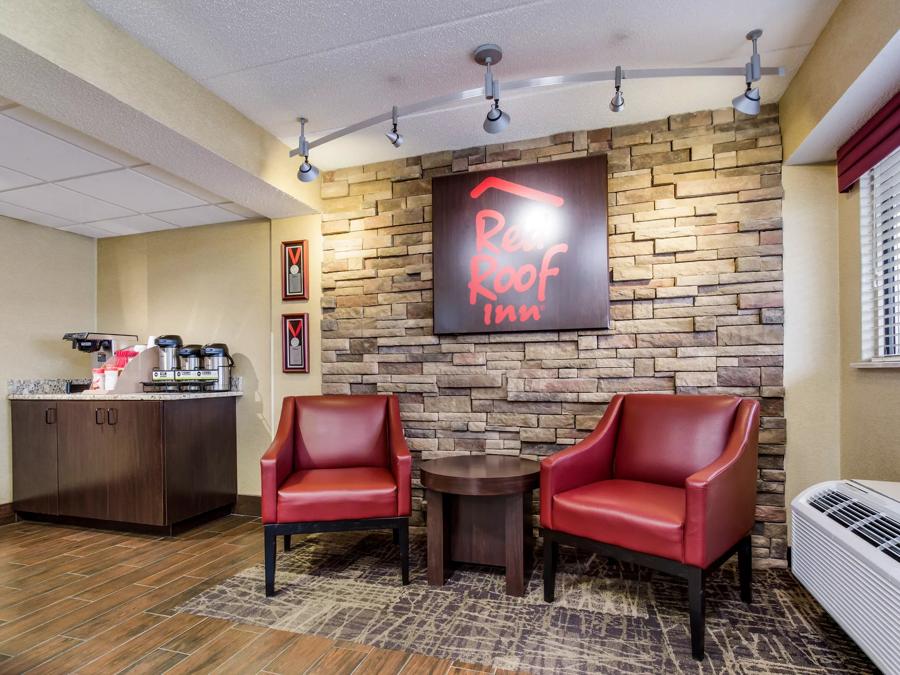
[112, 396]
[138, 460]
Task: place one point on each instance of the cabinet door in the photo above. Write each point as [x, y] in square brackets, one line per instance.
[135, 464]
[84, 453]
[34, 456]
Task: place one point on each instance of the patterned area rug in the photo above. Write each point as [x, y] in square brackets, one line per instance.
[607, 617]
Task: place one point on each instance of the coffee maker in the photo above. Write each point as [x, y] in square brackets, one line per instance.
[101, 346]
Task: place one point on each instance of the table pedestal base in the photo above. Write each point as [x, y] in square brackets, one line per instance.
[480, 530]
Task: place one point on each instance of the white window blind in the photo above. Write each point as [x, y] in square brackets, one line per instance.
[880, 218]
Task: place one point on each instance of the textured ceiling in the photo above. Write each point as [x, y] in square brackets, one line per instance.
[58, 177]
[340, 61]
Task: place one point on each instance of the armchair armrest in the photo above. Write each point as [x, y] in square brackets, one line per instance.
[401, 460]
[278, 461]
[720, 499]
[585, 462]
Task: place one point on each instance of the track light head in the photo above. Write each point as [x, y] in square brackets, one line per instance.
[496, 120]
[395, 138]
[748, 102]
[393, 135]
[617, 102]
[307, 172]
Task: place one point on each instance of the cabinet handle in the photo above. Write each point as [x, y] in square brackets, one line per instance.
[98, 416]
[112, 416]
[50, 416]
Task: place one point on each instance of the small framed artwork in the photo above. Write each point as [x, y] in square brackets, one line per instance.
[294, 270]
[295, 343]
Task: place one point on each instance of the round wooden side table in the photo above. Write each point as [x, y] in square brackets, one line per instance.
[479, 512]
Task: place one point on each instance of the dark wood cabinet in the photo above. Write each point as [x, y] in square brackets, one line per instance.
[83, 459]
[34, 438]
[151, 462]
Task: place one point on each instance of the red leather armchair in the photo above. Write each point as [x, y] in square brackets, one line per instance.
[336, 463]
[665, 481]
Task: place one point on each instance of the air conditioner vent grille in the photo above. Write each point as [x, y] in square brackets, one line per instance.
[873, 527]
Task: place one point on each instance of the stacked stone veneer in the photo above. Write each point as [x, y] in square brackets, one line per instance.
[696, 291]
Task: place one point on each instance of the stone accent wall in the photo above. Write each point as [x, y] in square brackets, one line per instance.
[696, 290]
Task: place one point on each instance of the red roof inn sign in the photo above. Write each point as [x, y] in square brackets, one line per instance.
[522, 248]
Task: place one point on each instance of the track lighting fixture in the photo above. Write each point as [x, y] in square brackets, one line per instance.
[489, 55]
[393, 135]
[748, 102]
[307, 173]
[617, 102]
[496, 120]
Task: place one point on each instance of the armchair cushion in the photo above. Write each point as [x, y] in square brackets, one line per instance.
[340, 431]
[664, 439]
[638, 516]
[337, 494]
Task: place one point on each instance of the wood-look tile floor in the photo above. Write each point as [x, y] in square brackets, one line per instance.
[92, 601]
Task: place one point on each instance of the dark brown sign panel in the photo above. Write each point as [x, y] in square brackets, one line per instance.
[522, 248]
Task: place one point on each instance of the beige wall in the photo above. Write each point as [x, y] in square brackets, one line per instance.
[207, 284]
[47, 288]
[853, 36]
[812, 362]
[220, 283]
[870, 399]
[297, 384]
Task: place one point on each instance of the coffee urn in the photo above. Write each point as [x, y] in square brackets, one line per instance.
[168, 351]
[216, 357]
[189, 357]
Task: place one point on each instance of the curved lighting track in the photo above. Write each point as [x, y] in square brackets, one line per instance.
[534, 83]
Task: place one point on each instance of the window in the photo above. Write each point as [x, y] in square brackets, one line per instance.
[880, 218]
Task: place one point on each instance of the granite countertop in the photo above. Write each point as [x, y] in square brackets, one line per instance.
[49, 389]
[146, 396]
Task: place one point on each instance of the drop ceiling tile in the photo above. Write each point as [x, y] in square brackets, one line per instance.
[32, 216]
[199, 215]
[132, 190]
[63, 203]
[10, 179]
[132, 225]
[88, 231]
[66, 133]
[239, 210]
[39, 154]
[176, 182]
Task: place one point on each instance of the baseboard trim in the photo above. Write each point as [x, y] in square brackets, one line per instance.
[248, 505]
[7, 515]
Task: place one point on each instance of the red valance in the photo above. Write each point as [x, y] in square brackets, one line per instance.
[878, 138]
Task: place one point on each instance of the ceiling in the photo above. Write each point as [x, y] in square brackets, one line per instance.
[55, 176]
[338, 62]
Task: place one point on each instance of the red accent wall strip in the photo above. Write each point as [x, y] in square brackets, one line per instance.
[877, 138]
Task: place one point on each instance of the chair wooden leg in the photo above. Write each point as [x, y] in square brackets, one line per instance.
[551, 557]
[287, 542]
[396, 532]
[402, 534]
[697, 602]
[269, 543]
[745, 569]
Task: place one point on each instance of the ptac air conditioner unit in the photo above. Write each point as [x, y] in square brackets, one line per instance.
[846, 552]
